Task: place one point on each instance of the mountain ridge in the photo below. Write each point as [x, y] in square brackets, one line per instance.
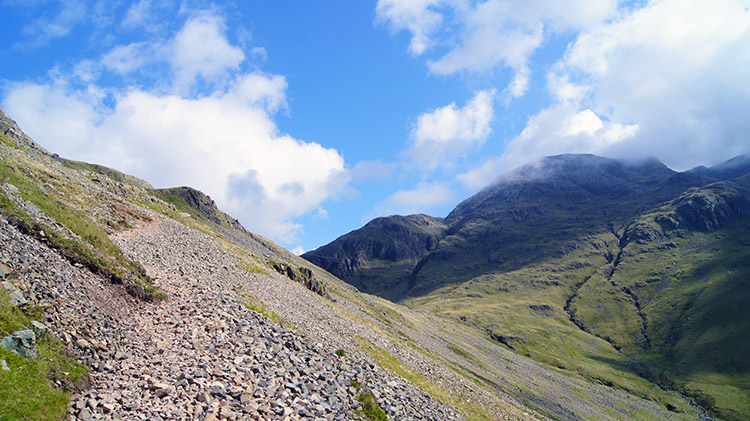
[556, 235]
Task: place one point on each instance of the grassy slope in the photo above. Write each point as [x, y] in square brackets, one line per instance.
[64, 192]
[690, 287]
[27, 391]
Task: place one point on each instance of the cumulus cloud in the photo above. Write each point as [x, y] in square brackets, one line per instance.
[423, 198]
[666, 80]
[555, 130]
[484, 35]
[442, 135]
[418, 17]
[678, 70]
[201, 49]
[222, 141]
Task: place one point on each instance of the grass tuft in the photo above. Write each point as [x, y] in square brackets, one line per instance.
[253, 304]
[370, 408]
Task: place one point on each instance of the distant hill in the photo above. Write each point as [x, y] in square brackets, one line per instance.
[380, 257]
[573, 248]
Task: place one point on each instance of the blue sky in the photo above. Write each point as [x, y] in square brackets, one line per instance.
[307, 119]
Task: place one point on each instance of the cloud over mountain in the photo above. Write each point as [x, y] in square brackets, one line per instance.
[207, 121]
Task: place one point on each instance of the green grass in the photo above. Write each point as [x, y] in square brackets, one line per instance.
[63, 201]
[9, 141]
[695, 311]
[503, 307]
[370, 408]
[253, 304]
[27, 391]
[388, 361]
[690, 286]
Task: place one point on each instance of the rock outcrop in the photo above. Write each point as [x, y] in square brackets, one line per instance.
[305, 276]
[22, 342]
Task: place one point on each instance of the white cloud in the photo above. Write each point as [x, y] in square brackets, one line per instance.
[126, 58]
[137, 14]
[259, 53]
[668, 79]
[520, 83]
[417, 16]
[423, 198]
[485, 35]
[222, 141]
[555, 130]
[678, 69]
[46, 27]
[444, 134]
[201, 49]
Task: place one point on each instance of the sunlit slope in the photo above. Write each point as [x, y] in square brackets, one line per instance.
[628, 274]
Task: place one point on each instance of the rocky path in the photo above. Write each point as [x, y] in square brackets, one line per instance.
[200, 354]
[169, 247]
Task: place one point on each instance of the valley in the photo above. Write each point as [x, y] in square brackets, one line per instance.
[628, 274]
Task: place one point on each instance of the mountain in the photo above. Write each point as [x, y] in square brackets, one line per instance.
[619, 271]
[379, 257]
[731, 169]
[145, 303]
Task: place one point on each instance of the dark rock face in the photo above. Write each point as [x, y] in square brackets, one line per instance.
[203, 204]
[530, 214]
[306, 277]
[393, 238]
[707, 212]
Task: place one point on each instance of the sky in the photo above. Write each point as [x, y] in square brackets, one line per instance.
[305, 120]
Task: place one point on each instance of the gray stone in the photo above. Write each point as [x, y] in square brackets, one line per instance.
[108, 408]
[85, 414]
[161, 390]
[246, 398]
[218, 389]
[4, 365]
[202, 397]
[22, 342]
[39, 328]
[16, 296]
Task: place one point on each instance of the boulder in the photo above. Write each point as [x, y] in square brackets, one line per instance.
[4, 270]
[16, 296]
[39, 328]
[22, 342]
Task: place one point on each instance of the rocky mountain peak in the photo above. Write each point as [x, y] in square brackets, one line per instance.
[8, 127]
[728, 170]
[201, 203]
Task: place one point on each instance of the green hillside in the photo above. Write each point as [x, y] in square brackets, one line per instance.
[630, 275]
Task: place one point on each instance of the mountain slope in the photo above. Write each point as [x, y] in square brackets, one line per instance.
[379, 258]
[158, 293]
[571, 250]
